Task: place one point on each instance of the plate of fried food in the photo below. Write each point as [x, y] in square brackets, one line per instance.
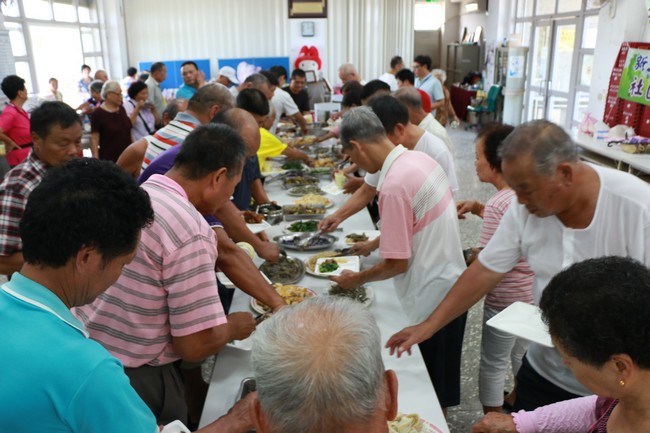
[291, 294]
[411, 423]
[363, 293]
[314, 200]
[302, 226]
[255, 222]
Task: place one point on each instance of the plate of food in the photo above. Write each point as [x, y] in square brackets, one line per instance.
[411, 423]
[310, 262]
[329, 266]
[175, 427]
[314, 200]
[291, 294]
[293, 165]
[255, 222]
[299, 191]
[361, 236]
[299, 212]
[302, 226]
[306, 140]
[294, 181]
[287, 270]
[323, 242]
[363, 293]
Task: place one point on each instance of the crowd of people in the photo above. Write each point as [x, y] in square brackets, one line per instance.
[112, 259]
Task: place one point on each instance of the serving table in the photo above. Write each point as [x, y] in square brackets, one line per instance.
[597, 151]
[416, 393]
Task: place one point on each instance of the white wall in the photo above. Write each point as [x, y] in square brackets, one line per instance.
[364, 32]
[629, 23]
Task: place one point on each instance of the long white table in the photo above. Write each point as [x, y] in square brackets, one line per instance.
[612, 156]
[416, 393]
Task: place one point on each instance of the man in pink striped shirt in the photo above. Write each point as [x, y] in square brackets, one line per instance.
[165, 306]
[420, 241]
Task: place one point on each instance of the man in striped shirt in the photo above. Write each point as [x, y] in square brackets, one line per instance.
[204, 104]
[56, 134]
[165, 306]
[420, 240]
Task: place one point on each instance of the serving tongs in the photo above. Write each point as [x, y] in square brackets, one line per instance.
[306, 240]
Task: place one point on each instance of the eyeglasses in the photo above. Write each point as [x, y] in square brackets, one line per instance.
[115, 93]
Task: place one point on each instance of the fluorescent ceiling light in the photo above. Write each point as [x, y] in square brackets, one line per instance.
[471, 7]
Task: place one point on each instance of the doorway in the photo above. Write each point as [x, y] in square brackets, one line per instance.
[551, 87]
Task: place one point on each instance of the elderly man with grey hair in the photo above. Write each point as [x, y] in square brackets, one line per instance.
[324, 353]
[420, 246]
[410, 97]
[347, 72]
[254, 81]
[568, 211]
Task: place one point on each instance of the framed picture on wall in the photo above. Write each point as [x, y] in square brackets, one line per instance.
[307, 8]
[311, 76]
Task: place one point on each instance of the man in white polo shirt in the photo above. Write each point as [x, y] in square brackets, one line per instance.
[420, 243]
[568, 211]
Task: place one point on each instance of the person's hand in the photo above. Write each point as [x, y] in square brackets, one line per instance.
[495, 422]
[335, 115]
[352, 184]
[237, 420]
[263, 236]
[329, 224]
[465, 206]
[347, 279]
[200, 79]
[241, 324]
[269, 251]
[363, 248]
[140, 104]
[403, 340]
[11, 145]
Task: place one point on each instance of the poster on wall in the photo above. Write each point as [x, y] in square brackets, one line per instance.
[635, 80]
[251, 65]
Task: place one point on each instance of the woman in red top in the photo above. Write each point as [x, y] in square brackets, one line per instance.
[110, 125]
[14, 121]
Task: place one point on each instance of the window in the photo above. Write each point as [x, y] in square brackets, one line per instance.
[428, 16]
[53, 38]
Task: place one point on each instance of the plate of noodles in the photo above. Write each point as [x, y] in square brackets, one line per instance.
[411, 423]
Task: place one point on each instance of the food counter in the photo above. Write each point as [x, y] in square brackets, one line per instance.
[416, 393]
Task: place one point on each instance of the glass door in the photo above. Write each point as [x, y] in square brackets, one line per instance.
[552, 71]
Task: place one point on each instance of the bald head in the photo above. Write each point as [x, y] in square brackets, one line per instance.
[209, 96]
[245, 124]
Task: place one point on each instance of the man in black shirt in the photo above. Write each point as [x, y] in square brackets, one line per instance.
[297, 90]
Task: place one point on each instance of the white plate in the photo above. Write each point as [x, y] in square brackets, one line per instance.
[523, 320]
[258, 228]
[246, 345]
[229, 284]
[273, 173]
[258, 308]
[427, 427]
[346, 263]
[331, 188]
[372, 235]
[329, 204]
[175, 427]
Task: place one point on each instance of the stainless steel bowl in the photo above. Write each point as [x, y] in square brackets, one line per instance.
[272, 213]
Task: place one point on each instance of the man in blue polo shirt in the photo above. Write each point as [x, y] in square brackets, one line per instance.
[54, 377]
[426, 82]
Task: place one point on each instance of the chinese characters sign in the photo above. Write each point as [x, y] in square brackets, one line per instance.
[635, 81]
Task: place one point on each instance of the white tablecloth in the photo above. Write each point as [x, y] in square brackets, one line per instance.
[416, 393]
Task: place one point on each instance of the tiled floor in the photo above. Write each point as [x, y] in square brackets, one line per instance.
[461, 418]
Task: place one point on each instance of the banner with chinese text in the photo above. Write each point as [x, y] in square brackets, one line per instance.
[635, 80]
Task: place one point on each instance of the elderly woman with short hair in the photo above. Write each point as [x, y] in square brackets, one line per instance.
[143, 114]
[597, 315]
[110, 125]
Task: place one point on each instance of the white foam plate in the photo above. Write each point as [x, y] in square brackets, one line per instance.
[523, 320]
[346, 263]
[258, 228]
[175, 427]
[331, 188]
[229, 284]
